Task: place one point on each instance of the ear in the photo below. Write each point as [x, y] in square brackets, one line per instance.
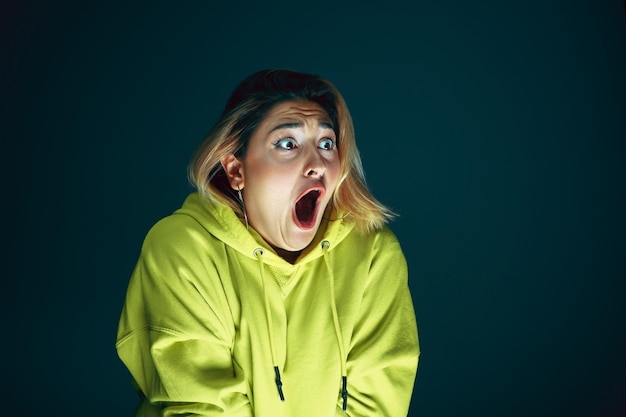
[234, 171]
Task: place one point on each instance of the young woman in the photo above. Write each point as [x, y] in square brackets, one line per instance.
[276, 289]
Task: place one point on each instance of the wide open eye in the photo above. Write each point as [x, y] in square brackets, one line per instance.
[286, 144]
[327, 144]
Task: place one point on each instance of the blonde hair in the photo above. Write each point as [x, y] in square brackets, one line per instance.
[246, 108]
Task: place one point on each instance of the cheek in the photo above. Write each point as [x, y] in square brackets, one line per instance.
[273, 182]
[333, 172]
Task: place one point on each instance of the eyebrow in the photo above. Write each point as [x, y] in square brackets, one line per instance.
[294, 125]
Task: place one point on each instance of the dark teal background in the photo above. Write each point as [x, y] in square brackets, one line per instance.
[496, 129]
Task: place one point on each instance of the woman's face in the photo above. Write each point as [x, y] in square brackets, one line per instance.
[288, 174]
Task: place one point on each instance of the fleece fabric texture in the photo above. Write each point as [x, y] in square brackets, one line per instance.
[207, 317]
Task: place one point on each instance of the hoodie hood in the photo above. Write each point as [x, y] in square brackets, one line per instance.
[222, 222]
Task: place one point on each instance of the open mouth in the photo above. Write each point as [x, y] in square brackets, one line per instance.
[306, 208]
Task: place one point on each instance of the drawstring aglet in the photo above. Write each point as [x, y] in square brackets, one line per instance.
[344, 392]
[279, 384]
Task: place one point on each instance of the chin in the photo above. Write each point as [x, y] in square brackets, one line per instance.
[298, 246]
[304, 239]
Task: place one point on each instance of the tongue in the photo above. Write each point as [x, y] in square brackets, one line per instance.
[305, 208]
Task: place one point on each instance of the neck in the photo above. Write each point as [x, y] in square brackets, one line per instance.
[287, 255]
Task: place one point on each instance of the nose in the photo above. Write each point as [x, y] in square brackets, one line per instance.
[314, 166]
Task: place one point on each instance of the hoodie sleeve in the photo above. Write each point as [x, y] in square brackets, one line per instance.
[384, 350]
[174, 336]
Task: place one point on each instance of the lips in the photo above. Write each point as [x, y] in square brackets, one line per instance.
[306, 207]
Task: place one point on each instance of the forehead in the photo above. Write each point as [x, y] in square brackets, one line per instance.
[297, 111]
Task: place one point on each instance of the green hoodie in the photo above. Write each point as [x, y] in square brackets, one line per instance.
[216, 323]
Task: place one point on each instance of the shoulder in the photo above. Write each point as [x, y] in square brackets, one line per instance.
[386, 236]
[376, 258]
[387, 247]
[176, 232]
[376, 249]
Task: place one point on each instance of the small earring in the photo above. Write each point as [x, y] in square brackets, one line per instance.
[243, 206]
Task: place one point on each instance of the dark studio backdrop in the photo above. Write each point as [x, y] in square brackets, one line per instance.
[495, 128]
